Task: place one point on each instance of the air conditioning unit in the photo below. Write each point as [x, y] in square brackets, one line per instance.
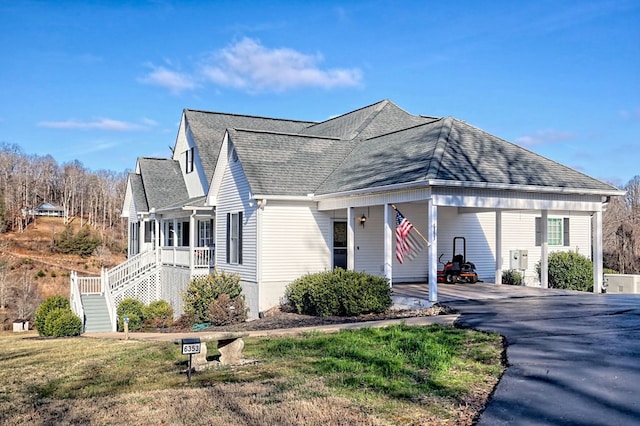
[622, 283]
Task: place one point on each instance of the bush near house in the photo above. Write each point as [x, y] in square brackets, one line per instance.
[54, 318]
[511, 277]
[157, 314]
[216, 298]
[569, 271]
[340, 293]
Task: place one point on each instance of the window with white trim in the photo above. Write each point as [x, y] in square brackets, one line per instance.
[189, 154]
[234, 238]
[557, 231]
[205, 233]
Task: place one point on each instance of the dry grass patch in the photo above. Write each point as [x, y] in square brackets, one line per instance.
[347, 378]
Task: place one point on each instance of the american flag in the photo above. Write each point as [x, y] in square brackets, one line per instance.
[407, 243]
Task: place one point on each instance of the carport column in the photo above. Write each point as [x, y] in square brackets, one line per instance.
[596, 233]
[498, 247]
[432, 249]
[351, 264]
[388, 243]
[544, 247]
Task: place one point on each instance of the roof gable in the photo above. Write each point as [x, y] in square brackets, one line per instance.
[162, 182]
[207, 129]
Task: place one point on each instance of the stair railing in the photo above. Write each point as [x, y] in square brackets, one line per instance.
[113, 319]
[74, 297]
[134, 266]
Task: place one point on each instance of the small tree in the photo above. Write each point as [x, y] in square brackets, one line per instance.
[569, 271]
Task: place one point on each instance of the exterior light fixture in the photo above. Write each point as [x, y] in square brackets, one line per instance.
[363, 219]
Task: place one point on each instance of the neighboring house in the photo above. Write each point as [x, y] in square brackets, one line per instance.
[274, 199]
[48, 209]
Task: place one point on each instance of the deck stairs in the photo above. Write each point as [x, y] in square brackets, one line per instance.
[96, 313]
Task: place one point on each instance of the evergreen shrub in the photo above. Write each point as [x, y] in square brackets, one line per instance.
[203, 294]
[63, 323]
[132, 308]
[340, 293]
[49, 304]
[158, 314]
[570, 271]
[512, 277]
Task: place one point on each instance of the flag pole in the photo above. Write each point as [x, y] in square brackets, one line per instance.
[393, 206]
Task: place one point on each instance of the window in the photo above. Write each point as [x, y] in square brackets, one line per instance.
[205, 233]
[149, 231]
[170, 234]
[557, 231]
[189, 154]
[234, 238]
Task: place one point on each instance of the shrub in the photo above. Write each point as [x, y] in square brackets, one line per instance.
[41, 274]
[62, 323]
[50, 304]
[158, 314]
[82, 243]
[339, 292]
[512, 277]
[203, 291]
[224, 310]
[569, 271]
[132, 308]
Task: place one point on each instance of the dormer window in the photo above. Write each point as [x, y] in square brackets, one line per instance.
[189, 154]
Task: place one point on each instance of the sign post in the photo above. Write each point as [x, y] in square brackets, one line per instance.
[190, 346]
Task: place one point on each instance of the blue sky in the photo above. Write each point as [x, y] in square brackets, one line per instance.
[105, 82]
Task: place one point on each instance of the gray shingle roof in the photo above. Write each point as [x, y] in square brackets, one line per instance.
[162, 181]
[137, 192]
[450, 150]
[208, 129]
[286, 164]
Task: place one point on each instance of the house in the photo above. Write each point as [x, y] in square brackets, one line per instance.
[274, 199]
[48, 209]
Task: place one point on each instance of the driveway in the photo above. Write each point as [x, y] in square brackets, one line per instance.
[573, 358]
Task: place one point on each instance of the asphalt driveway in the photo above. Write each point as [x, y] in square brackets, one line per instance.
[574, 358]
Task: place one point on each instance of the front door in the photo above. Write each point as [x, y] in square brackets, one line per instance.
[340, 244]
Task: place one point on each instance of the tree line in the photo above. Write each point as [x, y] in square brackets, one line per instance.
[27, 181]
[621, 230]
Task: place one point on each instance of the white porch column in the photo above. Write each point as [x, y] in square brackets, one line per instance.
[351, 264]
[544, 247]
[432, 249]
[192, 241]
[498, 278]
[389, 218]
[596, 234]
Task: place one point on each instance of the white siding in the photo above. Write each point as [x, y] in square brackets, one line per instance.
[519, 234]
[479, 231]
[295, 240]
[234, 197]
[196, 182]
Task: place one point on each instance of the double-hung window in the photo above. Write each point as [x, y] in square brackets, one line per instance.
[234, 238]
[557, 231]
[205, 233]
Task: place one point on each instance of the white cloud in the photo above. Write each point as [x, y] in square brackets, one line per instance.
[543, 137]
[99, 124]
[175, 81]
[250, 66]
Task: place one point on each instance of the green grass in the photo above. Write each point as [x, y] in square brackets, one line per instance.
[395, 373]
[399, 361]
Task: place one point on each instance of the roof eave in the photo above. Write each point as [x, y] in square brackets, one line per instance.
[466, 184]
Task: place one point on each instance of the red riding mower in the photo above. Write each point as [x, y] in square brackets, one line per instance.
[458, 270]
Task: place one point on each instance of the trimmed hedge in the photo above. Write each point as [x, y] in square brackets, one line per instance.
[339, 293]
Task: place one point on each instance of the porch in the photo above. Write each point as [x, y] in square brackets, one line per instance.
[138, 277]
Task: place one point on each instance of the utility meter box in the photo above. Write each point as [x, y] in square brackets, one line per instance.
[519, 259]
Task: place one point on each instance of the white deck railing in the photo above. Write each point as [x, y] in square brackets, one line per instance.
[74, 297]
[131, 268]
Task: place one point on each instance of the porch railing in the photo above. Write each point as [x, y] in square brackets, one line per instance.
[203, 257]
[131, 268]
